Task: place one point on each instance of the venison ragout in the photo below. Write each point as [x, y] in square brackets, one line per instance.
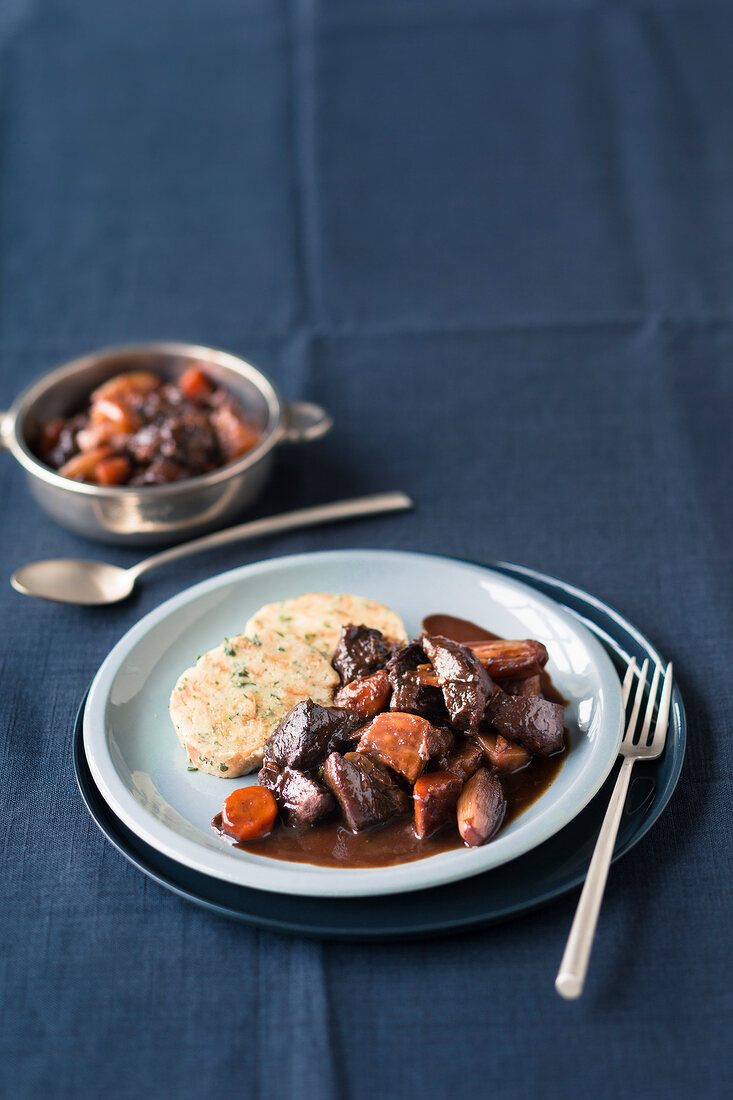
[428, 745]
[139, 429]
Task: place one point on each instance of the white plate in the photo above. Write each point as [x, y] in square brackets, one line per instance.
[139, 766]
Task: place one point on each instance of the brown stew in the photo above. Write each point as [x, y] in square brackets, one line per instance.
[139, 429]
[331, 843]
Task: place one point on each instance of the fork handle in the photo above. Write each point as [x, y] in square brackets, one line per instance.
[574, 966]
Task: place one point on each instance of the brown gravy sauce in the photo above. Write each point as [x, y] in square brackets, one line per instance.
[331, 844]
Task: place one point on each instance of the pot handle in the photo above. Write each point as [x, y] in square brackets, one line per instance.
[303, 422]
[4, 431]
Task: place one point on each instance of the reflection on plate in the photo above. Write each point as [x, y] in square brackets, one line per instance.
[137, 763]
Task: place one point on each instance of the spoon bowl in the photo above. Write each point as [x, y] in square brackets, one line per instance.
[74, 580]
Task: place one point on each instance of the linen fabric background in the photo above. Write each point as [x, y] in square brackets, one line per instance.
[496, 240]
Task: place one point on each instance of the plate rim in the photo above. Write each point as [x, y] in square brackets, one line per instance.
[317, 881]
[397, 931]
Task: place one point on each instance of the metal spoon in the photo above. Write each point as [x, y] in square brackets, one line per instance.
[74, 580]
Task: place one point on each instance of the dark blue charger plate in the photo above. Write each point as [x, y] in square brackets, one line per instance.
[547, 872]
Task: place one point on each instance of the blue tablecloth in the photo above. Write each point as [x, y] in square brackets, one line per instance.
[496, 239]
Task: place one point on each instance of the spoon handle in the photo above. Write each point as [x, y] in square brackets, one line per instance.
[288, 521]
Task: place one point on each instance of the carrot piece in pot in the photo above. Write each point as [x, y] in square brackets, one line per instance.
[114, 470]
[195, 384]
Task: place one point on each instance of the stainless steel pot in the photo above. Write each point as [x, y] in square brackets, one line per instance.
[154, 513]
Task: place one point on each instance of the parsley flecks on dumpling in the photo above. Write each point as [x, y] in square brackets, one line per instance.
[317, 617]
[226, 706]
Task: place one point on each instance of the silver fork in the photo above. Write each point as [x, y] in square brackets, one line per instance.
[574, 966]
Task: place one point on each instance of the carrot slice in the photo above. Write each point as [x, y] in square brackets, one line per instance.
[249, 813]
[113, 470]
[195, 384]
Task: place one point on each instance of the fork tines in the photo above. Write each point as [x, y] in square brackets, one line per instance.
[660, 729]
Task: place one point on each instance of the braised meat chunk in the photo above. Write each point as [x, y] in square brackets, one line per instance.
[404, 742]
[408, 694]
[300, 798]
[465, 683]
[360, 651]
[308, 733]
[463, 761]
[184, 437]
[366, 792]
[535, 723]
